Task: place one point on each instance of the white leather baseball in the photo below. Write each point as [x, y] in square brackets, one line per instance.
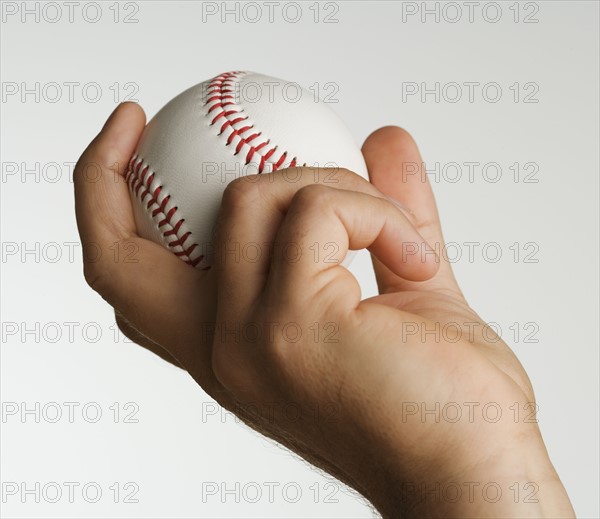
[238, 123]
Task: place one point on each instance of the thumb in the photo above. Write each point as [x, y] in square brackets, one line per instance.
[396, 169]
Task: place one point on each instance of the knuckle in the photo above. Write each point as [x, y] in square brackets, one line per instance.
[345, 178]
[241, 192]
[312, 196]
[108, 157]
[352, 179]
[97, 160]
[85, 169]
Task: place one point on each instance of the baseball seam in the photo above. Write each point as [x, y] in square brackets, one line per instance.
[145, 186]
[236, 126]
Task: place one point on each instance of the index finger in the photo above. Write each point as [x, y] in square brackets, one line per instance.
[322, 224]
[252, 209]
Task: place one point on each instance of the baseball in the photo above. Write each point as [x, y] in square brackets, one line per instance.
[236, 124]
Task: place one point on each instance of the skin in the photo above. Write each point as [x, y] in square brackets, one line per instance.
[291, 331]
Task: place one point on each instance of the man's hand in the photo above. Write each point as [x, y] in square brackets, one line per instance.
[159, 301]
[298, 355]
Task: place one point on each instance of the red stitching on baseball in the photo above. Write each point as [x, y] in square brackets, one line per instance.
[136, 178]
[217, 88]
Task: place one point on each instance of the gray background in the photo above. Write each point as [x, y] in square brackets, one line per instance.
[544, 301]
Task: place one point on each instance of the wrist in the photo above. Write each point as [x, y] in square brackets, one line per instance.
[516, 483]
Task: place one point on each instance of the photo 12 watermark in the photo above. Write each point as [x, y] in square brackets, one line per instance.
[270, 12]
[284, 492]
[450, 12]
[470, 92]
[68, 92]
[69, 12]
[52, 492]
[89, 412]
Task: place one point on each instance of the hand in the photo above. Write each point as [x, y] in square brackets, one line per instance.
[164, 314]
[171, 317]
[292, 332]
[357, 364]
